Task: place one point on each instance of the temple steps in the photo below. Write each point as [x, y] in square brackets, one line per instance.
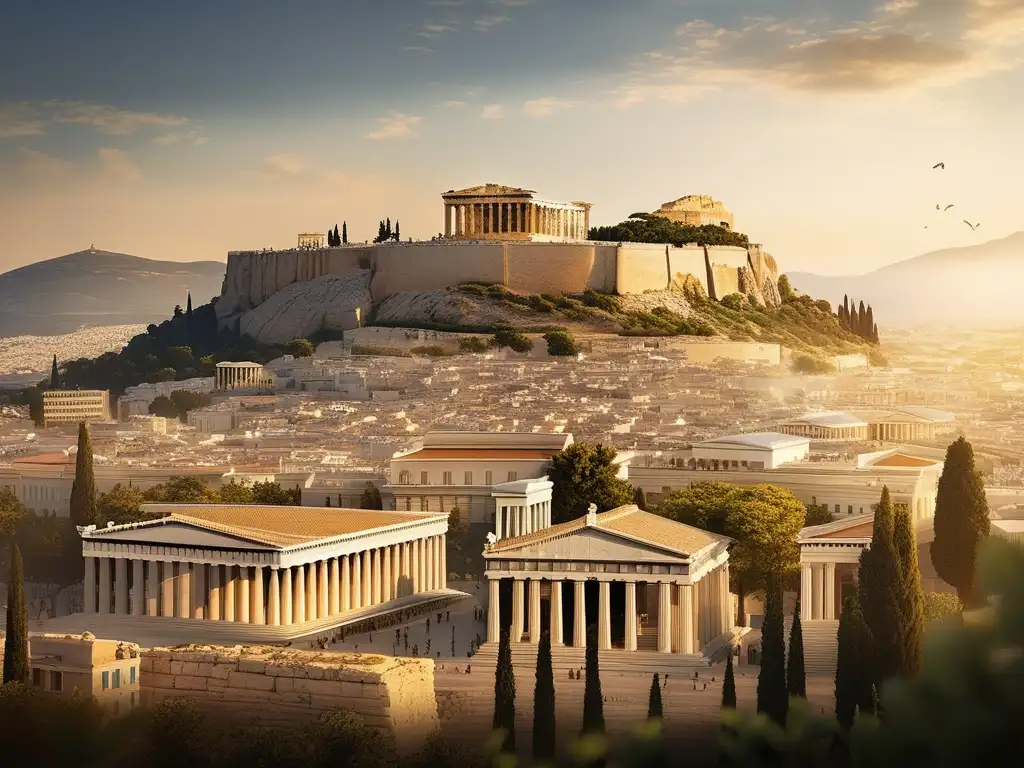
[821, 645]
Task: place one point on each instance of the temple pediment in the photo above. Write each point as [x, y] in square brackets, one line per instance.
[490, 190]
[590, 544]
[177, 534]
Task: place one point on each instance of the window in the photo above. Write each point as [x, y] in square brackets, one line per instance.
[37, 676]
[131, 675]
[837, 509]
[488, 478]
[468, 478]
[404, 478]
[423, 478]
[117, 679]
[513, 476]
[106, 680]
[446, 478]
[57, 681]
[814, 500]
[408, 503]
[849, 509]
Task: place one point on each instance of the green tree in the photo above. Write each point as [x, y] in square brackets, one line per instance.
[729, 684]
[513, 339]
[269, 492]
[911, 595]
[640, 498]
[235, 493]
[796, 678]
[12, 512]
[854, 666]
[593, 700]
[650, 228]
[785, 289]
[818, 514]
[185, 401]
[163, 406]
[473, 345]
[457, 540]
[83, 488]
[881, 588]
[505, 695]
[371, 498]
[344, 232]
[54, 375]
[561, 343]
[655, 711]
[182, 490]
[544, 703]
[940, 605]
[16, 662]
[961, 519]
[299, 348]
[811, 365]
[120, 505]
[582, 474]
[772, 698]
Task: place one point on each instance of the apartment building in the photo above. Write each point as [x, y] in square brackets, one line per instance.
[63, 406]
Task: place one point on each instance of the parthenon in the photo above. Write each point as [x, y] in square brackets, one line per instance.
[496, 212]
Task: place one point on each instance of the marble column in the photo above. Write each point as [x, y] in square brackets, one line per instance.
[357, 578]
[199, 591]
[517, 610]
[322, 591]
[728, 617]
[417, 582]
[630, 615]
[579, 629]
[230, 593]
[375, 574]
[213, 594]
[404, 572]
[334, 577]
[104, 596]
[830, 591]
[444, 561]
[535, 610]
[287, 611]
[242, 589]
[806, 592]
[311, 593]
[89, 586]
[685, 622]
[120, 586]
[138, 587]
[387, 584]
[428, 565]
[817, 591]
[367, 580]
[167, 590]
[346, 585]
[664, 617]
[259, 614]
[299, 596]
[274, 599]
[695, 594]
[604, 626]
[184, 591]
[557, 635]
[447, 221]
[396, 570]
[493, 611]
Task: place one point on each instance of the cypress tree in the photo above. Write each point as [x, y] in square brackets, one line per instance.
[912, 596]
[505, 694]
[654, 708]
[544, 703]
[961, 519]
[83, 489]
[854, 689]
[337, 237]
[54, 375]
[796, 678]
[874, 333]
[881, 585]
[729, 685]
[387, 228]
[398, 232]
[869, 324]
[16, 666]
[593, 700]
[640, 498]
[772, 698]
[380, 232]
[344, 232]
[861, 319]
[846, 310]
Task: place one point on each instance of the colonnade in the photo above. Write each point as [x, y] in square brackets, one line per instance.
[270, 595]
[688, 615]
[472, 218]
[885, 431]
[512, 520]
[818, 591]
[240, 376]
[816, 432]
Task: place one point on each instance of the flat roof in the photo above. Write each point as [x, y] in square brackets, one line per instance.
[479, 453]
[273, 525]
[762, 440]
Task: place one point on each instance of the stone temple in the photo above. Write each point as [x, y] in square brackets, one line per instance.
[497, 212]
[697, 211]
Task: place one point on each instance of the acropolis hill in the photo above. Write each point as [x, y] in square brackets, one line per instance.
[493, 234]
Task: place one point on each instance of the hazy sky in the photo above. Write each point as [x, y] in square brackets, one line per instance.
[185, 129]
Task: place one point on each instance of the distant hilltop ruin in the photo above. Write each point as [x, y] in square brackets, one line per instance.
[492, 234]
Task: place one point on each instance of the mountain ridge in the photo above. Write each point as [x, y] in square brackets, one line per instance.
[95, 287]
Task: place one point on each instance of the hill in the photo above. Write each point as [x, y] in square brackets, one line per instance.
[99, 288]
[974, 286]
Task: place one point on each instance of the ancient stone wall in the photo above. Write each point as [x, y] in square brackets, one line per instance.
[278, 687]
[641, 267]
[561, 267]
[430, 266]
[688, 261]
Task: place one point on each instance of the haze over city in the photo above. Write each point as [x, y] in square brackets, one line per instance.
[187, 130]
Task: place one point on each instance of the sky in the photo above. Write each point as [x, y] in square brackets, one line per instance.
[184, 130]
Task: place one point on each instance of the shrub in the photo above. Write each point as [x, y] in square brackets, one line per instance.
[430, 350]
[299, 348]
[513, 339]
[940, 605]
[540, 304]
[561, 344]
[602, 301]
[812, 365]
[734, 301]
[473, 344]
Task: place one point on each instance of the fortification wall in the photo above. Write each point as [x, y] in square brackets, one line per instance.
[432, 266]
[641, 267]
[561, 267]
[688, 261]
[723, 265]
[281, 687]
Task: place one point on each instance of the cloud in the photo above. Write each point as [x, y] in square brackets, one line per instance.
[284, 165]
[180, 137]
[487, 23]
[512, 3]
[17, 120]
[418, 48]
[493, 112]
[899, 44]
[40, 166]
[115, 164]
[394, 126]
[453, 103]
[432, 30]
[32, 118]
[545, 106]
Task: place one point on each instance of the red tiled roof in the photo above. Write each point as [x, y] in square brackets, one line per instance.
[46, 458]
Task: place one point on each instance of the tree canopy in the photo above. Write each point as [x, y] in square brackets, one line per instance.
[561, 343]
[585, 474]
[299, 348]
[651, 228]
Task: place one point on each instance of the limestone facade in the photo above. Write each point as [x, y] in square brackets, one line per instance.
[62, 406]
[241, 376]
[697, 211]
[498, 212]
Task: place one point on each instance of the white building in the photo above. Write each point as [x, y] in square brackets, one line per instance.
[759, 450]
[136, 400]
[833, 426]
[242, 376]
[908, 422]
[64, 406]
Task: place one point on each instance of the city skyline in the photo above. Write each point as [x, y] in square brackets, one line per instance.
[183, 132]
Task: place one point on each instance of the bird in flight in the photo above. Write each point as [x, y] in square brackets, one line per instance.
[948, 207]
[939, 165]
[972, 226]
[938, 207]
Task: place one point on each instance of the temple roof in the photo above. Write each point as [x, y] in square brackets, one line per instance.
[629, 522]
[854, 527]
[489, 190]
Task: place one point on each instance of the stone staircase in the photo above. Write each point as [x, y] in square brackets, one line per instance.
[820, 644]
